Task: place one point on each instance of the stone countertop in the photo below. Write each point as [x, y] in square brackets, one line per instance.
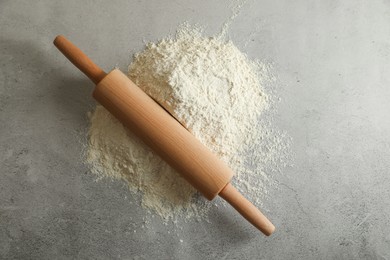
[332, 65]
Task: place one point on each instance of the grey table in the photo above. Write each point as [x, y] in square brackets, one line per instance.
[333, 67]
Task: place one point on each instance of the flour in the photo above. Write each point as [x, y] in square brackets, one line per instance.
[217, 93]
[235, 7]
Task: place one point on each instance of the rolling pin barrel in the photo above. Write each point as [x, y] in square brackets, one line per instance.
[166, 136]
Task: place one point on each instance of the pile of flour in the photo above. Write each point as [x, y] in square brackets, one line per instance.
[217, 93]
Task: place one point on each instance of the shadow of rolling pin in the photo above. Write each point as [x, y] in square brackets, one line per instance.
[166, 136]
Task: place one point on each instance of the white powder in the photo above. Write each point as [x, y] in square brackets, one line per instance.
[235, 6]
[217, 93]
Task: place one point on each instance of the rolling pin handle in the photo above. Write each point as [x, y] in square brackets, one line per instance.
[79, 59]
[247, 209]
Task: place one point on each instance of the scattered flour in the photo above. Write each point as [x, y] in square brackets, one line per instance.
[235, 7]
[217, 93]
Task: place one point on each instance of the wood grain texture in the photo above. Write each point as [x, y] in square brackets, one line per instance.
[167, 137]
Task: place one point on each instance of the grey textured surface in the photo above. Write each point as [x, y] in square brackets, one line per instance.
[332, 61]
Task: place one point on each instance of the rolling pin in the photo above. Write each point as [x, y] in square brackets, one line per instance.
[164, 134]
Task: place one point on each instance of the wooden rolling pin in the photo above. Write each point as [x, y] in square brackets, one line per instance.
[166, 136]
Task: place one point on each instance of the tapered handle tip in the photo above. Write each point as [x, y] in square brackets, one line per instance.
[247, 209]
[79, 59]
[58, 39]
